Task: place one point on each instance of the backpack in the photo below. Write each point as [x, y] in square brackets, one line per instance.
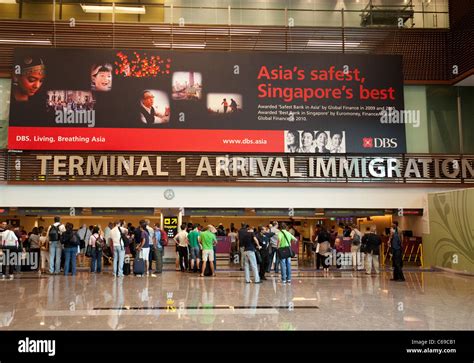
[356, 240]
[53, 234]
[99, 243]
[164, 238]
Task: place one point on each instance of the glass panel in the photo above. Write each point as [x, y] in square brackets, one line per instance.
[75, 11]
[154, 14]
[9, 11]
[442, 119]
[467, 116]
[5, 86]
[416, 135]
[38, 11]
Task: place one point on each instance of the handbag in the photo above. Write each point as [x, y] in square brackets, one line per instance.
[82, 241]
[286, 252]
[89, 251]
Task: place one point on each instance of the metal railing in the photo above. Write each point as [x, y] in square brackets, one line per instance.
[418, 15]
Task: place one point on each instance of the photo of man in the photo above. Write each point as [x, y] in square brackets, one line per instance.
[337, 143]
[154, 107]
[307, 142]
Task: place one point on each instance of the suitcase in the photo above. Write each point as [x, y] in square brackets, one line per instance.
[126, 268]
[139, 266]
[208, 271]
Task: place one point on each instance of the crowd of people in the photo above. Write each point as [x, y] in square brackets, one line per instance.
[59, 248]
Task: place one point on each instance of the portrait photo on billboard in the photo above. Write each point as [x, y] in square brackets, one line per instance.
[314, 141]
[101, 77]
[154, 107]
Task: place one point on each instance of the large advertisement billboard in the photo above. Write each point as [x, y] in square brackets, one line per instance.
[151, 100]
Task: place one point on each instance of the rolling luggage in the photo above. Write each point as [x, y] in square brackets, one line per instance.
[139, 265]
[126, 268]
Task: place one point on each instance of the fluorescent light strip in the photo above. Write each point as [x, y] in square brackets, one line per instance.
[191, 31]
[322, 43]
[7, 1]
[182, 45]
[21, 41]
[110, 9]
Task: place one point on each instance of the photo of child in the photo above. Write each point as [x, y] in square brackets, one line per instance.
[101, 77]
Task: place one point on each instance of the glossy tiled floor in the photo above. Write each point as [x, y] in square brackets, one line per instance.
[344, 300]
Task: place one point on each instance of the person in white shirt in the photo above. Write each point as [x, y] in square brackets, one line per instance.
[357, 257]
[151, 234]
[118, 248]
[107, 232]
[43, 241]
[84, 234]
[55, 248]
[10, 245]
[273, 244]
[181, 239]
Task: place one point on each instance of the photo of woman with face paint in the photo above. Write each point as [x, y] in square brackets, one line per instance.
[28, 78]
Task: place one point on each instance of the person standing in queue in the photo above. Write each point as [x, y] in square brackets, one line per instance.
[250, 241]
[70, 241]
[55, 249]
[182, 241]
[193, 238]
[240, 246]
[284, 240]
[395, 243]
[264, 237]
[118, 248]
[207, 241]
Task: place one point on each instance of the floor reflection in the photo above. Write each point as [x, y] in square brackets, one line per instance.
[342, 300]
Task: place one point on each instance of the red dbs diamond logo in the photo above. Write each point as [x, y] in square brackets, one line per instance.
[368, 143]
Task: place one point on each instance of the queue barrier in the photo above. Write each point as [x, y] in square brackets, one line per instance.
[412, 250]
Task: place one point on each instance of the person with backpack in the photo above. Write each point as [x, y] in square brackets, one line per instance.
[55, 249]
[70, 241]
[96, 241]
[356, 238]
[117, 245]
[151, 236]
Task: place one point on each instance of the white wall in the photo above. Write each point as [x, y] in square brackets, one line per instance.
[225, 196]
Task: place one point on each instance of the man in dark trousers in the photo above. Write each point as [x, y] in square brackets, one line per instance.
[395, 242]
